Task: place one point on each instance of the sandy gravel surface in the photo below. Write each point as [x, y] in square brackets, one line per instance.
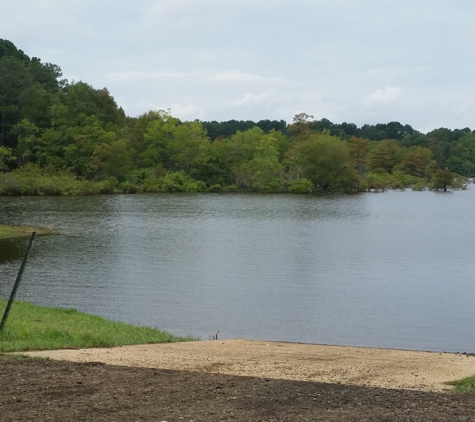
[384, 368]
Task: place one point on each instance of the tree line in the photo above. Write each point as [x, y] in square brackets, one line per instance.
[61, 137]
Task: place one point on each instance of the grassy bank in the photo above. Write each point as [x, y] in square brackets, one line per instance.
[466, 385]
[32, 327]
[19, 231]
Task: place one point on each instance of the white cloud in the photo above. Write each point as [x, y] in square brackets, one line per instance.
[253, 99]
[214, 57]
[146, 75]
[234, 76]
[187, 112]
[385, 96]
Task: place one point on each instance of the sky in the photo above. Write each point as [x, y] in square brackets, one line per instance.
[358, 61]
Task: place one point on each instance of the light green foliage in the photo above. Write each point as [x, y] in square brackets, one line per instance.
[189, 148]
[85, 138]
[32, 327]
[264, 167]
[420, 185]
[466, 385]
[419, 162]
[325, 161]
[399, 179]
[6, 156]
[359, 150]
[157, 139]
[377, 181]
[232, 153]
[152, 181]
[31, 180]
[301, 186]
[384, 156]
[444, 179]
[175, 145]
[251, 159]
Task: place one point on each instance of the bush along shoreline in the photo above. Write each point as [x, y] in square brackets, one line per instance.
[33, 181]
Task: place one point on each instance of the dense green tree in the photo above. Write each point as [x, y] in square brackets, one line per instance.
[189, 149]
[111, 159]
[302, 127]
[82, 98]
[46, 75]
[29, 148]
[216, 129]
[137, 127]
[380, 131]
[226, 129]
[461, 157]
[157, 139]
[325, 161]
[6, 157]
[384, 155]
[8, 49]
[272, 126]
[232, 153]
[265, 169]
[15, 84]
[419, 162]
[84, 140]
[359, 149]
[443, 179]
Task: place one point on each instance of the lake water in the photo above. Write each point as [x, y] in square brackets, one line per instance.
[393, 269]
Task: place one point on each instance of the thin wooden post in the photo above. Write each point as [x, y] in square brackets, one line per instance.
[17, 282]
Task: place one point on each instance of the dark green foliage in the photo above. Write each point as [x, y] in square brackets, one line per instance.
[216, 129]
[378, 132]
[15, 86]
[8, 49]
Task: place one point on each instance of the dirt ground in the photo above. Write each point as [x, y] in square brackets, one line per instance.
[236, 380]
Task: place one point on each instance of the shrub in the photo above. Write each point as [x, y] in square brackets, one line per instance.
[301, 186]
[230, 188]
[215, 188]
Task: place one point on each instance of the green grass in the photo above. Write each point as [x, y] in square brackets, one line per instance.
[7, 232]
[32, 327]
[466, 385]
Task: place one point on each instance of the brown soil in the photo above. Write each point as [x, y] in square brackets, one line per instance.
[236, 380]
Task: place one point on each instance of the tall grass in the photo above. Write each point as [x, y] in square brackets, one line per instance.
[32, 327]
[466, 385]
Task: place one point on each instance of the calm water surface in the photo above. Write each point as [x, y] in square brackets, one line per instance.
[394, 269]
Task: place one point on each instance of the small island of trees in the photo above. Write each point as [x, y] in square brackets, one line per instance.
[68, 138]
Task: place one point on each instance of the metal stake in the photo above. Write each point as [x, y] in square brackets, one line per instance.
[17, 282]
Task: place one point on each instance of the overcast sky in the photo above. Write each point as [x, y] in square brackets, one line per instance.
[360, 61]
